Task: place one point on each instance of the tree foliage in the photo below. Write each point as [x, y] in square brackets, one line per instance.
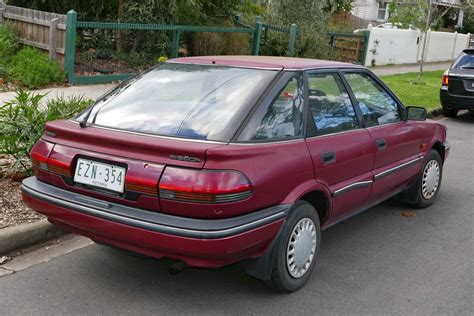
[338, 6]
[311, 18]
[423, 14]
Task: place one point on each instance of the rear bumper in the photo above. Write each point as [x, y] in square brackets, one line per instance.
[198, 242]
[457, 102]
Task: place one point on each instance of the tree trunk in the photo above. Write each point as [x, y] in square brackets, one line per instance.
[425, 38]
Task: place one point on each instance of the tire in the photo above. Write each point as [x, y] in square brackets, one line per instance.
[303, 219]
[450, 112]
[429, 180]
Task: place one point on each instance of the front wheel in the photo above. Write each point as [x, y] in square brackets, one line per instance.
[297, 250]
[429, 180]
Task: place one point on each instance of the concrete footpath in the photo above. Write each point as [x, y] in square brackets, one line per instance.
[95, 91]
[92, 91]
[401, 69]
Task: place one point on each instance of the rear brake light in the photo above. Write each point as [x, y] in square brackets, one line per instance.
[41, 162]
[39, 159]
[204, 186]
[445, 80]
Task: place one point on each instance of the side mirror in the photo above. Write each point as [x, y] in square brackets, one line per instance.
[415, 113]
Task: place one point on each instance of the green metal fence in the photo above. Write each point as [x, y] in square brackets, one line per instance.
[73, 25]
[351, 48]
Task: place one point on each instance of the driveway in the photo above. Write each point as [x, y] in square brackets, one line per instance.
[378, 262]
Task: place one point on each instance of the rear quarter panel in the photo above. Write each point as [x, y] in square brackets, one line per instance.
[279, 172]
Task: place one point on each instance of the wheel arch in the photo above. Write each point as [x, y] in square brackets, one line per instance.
[316, 194]
[321, 203]
[438, 146]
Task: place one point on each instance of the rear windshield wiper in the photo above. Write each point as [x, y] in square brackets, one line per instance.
[467, 67]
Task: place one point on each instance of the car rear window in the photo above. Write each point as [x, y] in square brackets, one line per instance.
[465, 61]
[183, 100]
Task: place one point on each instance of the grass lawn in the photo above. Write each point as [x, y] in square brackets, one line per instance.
[425, 94]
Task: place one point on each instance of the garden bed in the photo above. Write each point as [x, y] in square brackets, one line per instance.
[12, 209]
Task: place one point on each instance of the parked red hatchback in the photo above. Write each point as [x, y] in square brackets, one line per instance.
[213, 160]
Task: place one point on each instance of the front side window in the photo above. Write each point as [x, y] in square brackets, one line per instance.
[282, 119]
[183, 100]
[376, 104]
[330, 105]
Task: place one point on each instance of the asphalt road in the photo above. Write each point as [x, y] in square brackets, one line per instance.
[378, 262]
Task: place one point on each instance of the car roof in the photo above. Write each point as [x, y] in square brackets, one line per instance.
[266, 62]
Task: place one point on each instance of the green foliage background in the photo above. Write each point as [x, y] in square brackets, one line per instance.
[22, 122]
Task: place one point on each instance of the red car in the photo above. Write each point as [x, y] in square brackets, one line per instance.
[213, 160]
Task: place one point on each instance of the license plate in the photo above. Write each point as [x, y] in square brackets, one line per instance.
[100, 175]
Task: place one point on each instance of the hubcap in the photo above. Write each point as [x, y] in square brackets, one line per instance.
[430, 181]
[301, 248]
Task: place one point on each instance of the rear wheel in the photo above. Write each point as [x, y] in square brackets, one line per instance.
[297, 250]
[450, 112]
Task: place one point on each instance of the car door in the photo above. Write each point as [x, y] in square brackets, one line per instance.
[342, 150]
[397, 141]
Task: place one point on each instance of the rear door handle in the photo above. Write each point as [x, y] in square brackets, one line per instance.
[329, 157]
[381, 143]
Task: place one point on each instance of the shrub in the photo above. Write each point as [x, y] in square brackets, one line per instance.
[205, 44]
[8, 42]
[311, 18]
[22, 122]
[34, 69]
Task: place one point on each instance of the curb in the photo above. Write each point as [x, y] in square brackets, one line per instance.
[24, 235]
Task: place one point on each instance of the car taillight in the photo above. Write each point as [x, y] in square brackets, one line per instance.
[39, 159]
[446, 78]
[42, 163]
[204, 186]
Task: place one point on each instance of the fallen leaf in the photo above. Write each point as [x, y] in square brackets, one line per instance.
[408, 214]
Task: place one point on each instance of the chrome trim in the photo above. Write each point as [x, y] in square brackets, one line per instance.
[353, 186]
[154, 226]
[396, 168]
[152, 135]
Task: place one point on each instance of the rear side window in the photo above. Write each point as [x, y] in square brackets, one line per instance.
[465, 61]
[282, 119]
[375, 103]
[183, 100]
[330, 105]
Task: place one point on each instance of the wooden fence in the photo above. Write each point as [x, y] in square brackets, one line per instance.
[43, 30]
[348, 47]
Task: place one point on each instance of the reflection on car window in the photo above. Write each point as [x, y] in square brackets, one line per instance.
[377, 106]
[284, 117]
[465, 61]
[183, 100]
[330, 104]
